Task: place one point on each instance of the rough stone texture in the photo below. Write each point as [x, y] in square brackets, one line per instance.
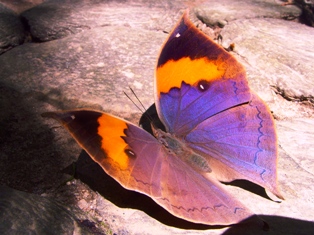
[19, 6]
[39, 215]
[12, 31]
[101, 48]
[277, 54]
[59, 67]
[307, 7]
[212, 12]
[57, 19]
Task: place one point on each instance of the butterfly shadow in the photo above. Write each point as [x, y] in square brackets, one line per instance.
[93, 175]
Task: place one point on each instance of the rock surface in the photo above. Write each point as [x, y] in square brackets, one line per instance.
[12, 30]
[91, 51]
[32, 214]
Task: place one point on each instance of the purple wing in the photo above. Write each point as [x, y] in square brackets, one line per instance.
[240, 143]
[203, 98]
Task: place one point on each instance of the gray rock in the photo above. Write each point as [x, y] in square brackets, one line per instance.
[278, 55]
[57, 19]
[12, 31]
[19, 6]
[117, 57]
[25, 213]
[307, 7]
[212, 12]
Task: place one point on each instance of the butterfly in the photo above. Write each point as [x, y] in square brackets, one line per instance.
[216, 130]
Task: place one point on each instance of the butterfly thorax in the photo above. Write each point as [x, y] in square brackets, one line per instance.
[177, 148]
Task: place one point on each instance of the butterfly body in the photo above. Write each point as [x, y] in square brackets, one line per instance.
[216, 129]
[177, 148]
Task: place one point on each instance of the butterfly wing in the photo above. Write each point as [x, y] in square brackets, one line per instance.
[241, 144]
[139, 162]
[103, 137]
[196, 79]
[202, 96]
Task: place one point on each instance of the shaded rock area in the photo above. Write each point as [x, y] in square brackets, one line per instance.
[12, 30]
[39, 215]
[85, 53]
[307, 7]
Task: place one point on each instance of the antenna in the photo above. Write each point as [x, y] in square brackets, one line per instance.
[136, 99]
[146, 115]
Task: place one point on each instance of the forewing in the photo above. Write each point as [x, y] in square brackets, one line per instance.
[195, 79]
[124, 151]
